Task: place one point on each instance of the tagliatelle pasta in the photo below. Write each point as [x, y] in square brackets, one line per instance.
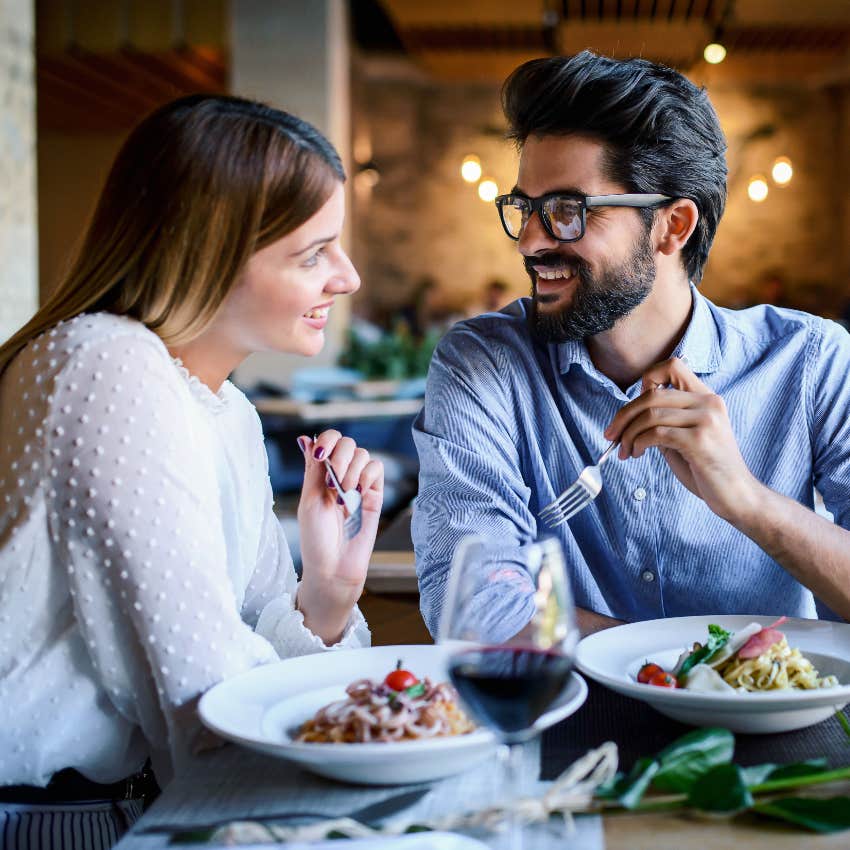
[377, 713]
[777, 668]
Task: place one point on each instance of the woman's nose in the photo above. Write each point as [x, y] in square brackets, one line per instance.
[345, 278]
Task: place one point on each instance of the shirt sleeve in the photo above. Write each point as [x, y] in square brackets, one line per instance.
[470, 482]
[829, 366]
[134, 513]
[270, 597]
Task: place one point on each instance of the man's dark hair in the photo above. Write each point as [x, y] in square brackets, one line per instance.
[660, 131]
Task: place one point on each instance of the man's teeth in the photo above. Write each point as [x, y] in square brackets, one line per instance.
[318, 313]
[556, 274]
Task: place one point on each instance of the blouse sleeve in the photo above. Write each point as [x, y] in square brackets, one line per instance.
[133, 512]
[270, 599]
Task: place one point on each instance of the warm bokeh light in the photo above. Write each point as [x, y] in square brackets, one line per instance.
[471, 168]
[782, 171]
[487, 190]
[757, 189]
[714, 53]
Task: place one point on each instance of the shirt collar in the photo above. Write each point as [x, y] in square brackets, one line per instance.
[699, 346]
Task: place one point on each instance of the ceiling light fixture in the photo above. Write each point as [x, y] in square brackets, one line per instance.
[487, 190]
[757, 188]
[714, 53]
[782, 171]
[470, 170]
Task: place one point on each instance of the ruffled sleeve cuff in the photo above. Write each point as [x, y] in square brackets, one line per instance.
[283, 627]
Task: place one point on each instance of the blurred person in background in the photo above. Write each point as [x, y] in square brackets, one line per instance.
[728, 419]
[140, 559]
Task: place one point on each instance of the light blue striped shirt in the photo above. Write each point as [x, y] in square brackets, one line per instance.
[509, 423]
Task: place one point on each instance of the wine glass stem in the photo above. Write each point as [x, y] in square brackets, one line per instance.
[512, 756]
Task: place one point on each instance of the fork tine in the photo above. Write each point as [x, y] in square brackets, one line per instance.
[568, 510]
[575, 490]
[569, 513]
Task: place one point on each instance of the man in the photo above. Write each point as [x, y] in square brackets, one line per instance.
[725, 420]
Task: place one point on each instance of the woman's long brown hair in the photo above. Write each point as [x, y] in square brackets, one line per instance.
[198, 187]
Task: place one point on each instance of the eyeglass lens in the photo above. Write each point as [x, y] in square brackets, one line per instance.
[561, 215]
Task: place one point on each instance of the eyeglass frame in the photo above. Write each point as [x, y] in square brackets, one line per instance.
[635, 200]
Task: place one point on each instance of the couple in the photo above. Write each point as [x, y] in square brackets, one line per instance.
[140, 558]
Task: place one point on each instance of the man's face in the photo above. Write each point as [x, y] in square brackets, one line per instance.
[583, 288]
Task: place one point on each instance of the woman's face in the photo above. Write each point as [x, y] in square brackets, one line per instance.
[282, 300]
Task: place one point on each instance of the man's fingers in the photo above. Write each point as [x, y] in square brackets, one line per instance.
[633, 440]
[675, 373]
[657, 398]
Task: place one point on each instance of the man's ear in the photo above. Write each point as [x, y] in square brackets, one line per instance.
[674, 225]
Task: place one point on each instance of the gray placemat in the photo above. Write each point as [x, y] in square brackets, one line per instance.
[639, 731]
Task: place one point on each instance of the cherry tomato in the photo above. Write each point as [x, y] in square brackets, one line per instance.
[664, 680]
[398, 680]
[647, 672]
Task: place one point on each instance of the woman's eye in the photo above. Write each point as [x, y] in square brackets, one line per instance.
[313, 259]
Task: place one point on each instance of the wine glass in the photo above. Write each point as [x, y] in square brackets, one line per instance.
[509, 623]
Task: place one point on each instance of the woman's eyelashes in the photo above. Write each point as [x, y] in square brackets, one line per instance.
[313, 259]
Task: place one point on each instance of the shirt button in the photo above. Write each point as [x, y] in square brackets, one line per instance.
[639, 494]
[648, 575]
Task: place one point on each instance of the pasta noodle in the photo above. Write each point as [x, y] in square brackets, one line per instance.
[374, 712]
[778, 668]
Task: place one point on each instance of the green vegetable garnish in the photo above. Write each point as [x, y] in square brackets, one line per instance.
[717, 639]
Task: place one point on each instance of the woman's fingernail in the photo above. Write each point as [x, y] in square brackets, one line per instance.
[329, 481]
[339, 500]
[302, 445]
[359, 489]
[319, 453]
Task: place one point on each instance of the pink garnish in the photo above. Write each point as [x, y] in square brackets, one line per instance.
[762, 641]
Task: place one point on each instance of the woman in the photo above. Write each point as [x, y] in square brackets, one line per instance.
[140, 560]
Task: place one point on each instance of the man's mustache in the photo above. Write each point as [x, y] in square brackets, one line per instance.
[550, 261]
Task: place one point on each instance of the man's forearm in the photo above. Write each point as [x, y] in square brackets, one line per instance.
[811, 548]
[590, 622]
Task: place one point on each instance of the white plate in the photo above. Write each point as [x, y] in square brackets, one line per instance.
[614, 656]
[263, 707]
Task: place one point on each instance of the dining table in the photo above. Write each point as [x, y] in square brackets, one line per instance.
[238, 783]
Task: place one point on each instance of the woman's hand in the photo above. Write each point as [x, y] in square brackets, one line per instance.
[334, 569]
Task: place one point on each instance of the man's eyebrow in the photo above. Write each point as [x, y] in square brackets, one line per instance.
[563, 190]
[322, 241]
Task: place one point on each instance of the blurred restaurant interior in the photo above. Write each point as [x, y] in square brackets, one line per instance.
[408, 91]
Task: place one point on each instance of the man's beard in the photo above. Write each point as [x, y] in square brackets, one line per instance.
[598, 303]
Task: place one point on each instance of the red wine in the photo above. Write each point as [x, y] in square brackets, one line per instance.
[509, 688]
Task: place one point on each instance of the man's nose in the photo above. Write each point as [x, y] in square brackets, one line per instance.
[533, 237]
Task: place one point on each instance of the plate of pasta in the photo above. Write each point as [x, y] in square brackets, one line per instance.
[377, 716]
[751, 674]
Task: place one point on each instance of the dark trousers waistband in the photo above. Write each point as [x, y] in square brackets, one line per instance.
[70, 786]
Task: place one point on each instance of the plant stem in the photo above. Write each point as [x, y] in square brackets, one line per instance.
[802, 781]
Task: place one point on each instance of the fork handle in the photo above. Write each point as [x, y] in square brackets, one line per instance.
[604, 456]
[334, 479]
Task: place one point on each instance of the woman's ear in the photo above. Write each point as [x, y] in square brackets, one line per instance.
[675, 224]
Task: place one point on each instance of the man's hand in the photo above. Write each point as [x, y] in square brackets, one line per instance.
[689, 424]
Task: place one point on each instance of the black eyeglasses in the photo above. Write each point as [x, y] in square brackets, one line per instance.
[563, 215]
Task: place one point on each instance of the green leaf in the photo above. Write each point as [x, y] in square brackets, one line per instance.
[721, 789]
[415, 690]
[798, 770]
[717, 639]
[692, 755]
[842, 719]
[819, 815]
[628, 790]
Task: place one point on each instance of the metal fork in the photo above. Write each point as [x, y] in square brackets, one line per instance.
[352, 501]
[578, 495]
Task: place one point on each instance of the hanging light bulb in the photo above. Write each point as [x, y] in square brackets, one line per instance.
[470, 170]
[782, 171]
[757, 188]
[487, 190]
[714, 53]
